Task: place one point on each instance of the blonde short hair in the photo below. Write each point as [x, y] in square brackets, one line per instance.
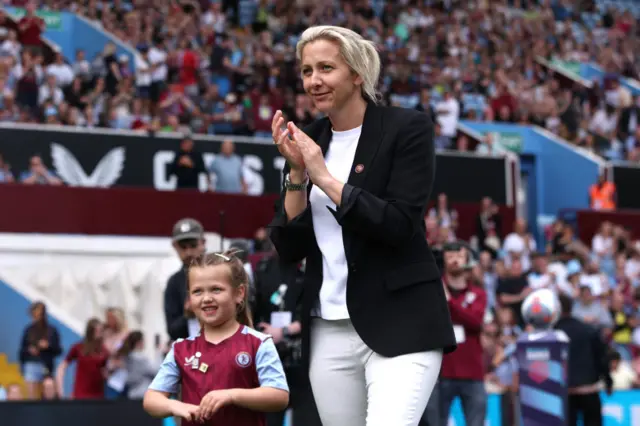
[360, 54]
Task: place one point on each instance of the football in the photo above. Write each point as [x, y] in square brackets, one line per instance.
[541, 309]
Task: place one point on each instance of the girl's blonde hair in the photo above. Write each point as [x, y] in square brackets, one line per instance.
[237, 278]
[359, 53]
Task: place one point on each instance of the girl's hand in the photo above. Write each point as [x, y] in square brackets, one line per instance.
[184, 411]
[212, 402]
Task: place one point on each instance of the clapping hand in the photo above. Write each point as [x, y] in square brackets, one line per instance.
[311, 155]
[286, 146]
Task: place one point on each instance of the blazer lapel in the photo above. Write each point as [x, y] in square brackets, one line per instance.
[368, 145]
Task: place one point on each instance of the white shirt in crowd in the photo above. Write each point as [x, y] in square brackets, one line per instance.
[45, 92]
[63, 73]
[514, 243]
[143, 72]
[157, 56]
[600, 244]
[449, 121]
[603, 123]
[335, 271]
[623, 377]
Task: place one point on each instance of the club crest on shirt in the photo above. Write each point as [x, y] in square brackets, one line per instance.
[243, 359]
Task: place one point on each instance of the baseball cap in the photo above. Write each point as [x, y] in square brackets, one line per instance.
[187, 229]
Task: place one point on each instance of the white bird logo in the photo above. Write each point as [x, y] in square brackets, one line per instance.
[106, 173]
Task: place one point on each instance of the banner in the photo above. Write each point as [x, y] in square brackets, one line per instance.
[76, 413]
[125, 211]
[111, 158]
[53, 20]
[626, 179]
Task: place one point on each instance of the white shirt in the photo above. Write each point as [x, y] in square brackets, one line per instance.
[333, 294]
[45, 92]
[514, 243]
[448, 121]
[600, 244]
[63, 72]
[143, 74]
[157, 56]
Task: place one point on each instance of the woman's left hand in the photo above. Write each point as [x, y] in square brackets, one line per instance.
[312, 154]
[212, 402]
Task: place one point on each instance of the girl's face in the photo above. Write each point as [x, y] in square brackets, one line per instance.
[213, 299]
[98, 331]
[37, 313]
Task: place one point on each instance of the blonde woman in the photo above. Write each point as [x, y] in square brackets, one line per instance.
[115, 333]
[357, 183]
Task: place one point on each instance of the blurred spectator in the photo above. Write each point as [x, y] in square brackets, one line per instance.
[513, 289]
[602, 194]
[488, 227]
[462, 371]
[31, 27]
[227, 168]
[519, 244]
[38, 174]
[187, 166]
[115, 332]
[189, 244]
[91, 358]
[40, 346]
[589, 310]
[140, 371]
[5, 171]
[587, 365]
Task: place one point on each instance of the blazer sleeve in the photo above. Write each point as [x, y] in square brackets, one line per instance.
[291, 238]
[395, 217]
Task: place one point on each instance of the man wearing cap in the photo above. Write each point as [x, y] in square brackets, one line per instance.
[188, 241]
[462, 373]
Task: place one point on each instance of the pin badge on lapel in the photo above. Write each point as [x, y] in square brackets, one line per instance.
[203, 367]
[359, 168]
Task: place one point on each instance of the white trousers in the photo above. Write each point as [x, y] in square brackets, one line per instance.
[353, 386]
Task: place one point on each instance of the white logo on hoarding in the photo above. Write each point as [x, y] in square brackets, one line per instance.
[106, 173]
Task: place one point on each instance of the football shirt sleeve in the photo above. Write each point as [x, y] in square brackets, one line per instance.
[269, 367]
[168, 377]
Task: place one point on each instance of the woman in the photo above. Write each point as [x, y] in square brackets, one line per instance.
[91, 357]
[115, 333]
[375, 318]
[40, 346]
[140, 370]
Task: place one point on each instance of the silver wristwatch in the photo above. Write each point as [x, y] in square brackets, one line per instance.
[289, 186]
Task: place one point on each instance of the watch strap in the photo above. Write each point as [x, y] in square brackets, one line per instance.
[290, 186]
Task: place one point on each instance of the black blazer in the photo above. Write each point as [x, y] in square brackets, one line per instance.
[395, 296]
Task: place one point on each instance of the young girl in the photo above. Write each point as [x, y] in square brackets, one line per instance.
[40, 346]
[229, 374]
[91, 358]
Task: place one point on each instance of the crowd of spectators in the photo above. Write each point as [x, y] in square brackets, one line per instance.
[224, 67]
[602, 276]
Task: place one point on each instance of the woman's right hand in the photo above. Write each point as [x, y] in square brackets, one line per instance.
[286, 146]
